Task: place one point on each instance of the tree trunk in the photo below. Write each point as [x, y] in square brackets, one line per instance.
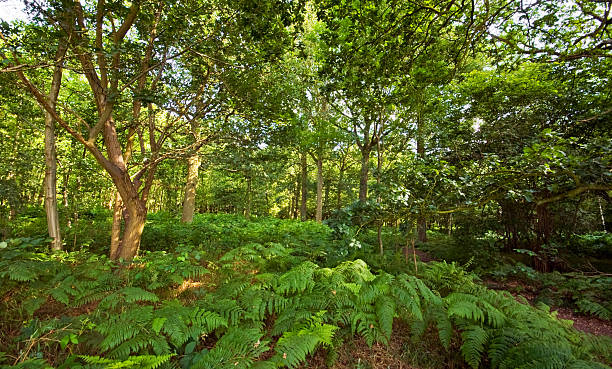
[340, 186]
[190, 188]
[65, 188]
[379, 155]
[249, 197]
[601, 213]
[53, 225]
[134, 225]
[304, 179]
[50, 180]
[421, 221]
[296, 196]
[319, 212]
[326, 197]
[363, 177]
[116, 227]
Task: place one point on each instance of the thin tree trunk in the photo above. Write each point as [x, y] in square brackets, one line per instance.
[304, 180]
[421, 221]
[291, 203]
[326, 197]
[363, 177]
[379, 152]
[50, 181]
[296, 196]
[65, 187]
[190, 188]
[319, 212]
[601, 213]
[340, 185]
[249, 197]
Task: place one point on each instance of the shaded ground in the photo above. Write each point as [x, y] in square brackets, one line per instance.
[402, 353]
[584, 323]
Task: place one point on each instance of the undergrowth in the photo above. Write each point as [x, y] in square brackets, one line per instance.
[259, 305]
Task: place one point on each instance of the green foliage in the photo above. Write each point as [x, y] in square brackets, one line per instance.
[598, 244]
[266, 306]
[513, 334]
[143, 361]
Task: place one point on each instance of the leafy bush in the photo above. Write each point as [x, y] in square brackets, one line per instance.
[597, 244]
[482, 253]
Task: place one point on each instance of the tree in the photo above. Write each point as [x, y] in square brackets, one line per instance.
[114, 64]
[372, 48]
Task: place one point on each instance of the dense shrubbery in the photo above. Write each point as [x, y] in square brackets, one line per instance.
[598, 244]
[257, 304]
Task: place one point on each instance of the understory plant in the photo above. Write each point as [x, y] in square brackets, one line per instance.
[259, 306]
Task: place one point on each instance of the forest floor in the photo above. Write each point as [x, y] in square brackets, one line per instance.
[399, 354]
[587, 324]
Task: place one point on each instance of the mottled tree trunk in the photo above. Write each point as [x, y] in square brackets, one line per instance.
[340, 187]
[379, 153]
[134, 226]
[190, 188]
[249, 197]
[326, 184]
[50, 181]
[319, 211]
[304, 182]
[363, 176]
[421, 220]
[53, 225]
[116, 226]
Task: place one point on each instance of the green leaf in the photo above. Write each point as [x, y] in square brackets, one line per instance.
[64, 341]
[158, 323]
[190, 347]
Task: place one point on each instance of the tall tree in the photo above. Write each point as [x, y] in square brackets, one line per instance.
[104, 55]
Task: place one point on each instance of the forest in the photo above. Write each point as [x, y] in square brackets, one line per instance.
[351, 184]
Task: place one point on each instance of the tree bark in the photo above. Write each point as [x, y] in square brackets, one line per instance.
[249, 197]
[116, 226]
[50, 181]
[326, 184]
[134, 225]
[296, 196]
[319, 211]
[340, 184]
[363, 176]
[190, 188]
[421, 221]
[53, 225]
[304, 180]
[379, 153]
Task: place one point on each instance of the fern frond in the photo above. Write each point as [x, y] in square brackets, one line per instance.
[292, 348]
[238, 348]
[140, 362]
[474, 339]
[298, 279]
[385, 312]
[594, 308]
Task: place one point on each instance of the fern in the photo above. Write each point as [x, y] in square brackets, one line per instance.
[293, 347]
[238, 348]
[140, 362]
[298, 279]
[594, 308]
[123, 329]
[474, 339]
